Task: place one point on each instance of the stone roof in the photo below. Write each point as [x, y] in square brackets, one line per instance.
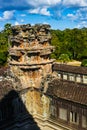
[69, 68]
[75, 92]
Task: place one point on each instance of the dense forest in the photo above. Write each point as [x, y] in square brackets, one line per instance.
[4, 44]
[70, 44]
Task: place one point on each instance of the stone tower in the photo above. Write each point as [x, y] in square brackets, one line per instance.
[29, 55]
[31, 67]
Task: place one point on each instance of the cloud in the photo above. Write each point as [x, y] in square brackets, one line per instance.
[7, 15]
[26, 4]
[37, 3]
[78, 15]
[29, 4]
[56, 9]
[72, 16]
[82, 24]
[43, 7]
[16, 23]
[22, 20]
[34, 6]
[75, 17]
[76, 3]
[14, 5]
[42, 11]
[23, 15]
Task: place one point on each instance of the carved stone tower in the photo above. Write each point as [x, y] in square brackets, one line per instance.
[29, 54]
[31, 67]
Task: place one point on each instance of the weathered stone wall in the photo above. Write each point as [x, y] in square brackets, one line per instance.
[29, 54]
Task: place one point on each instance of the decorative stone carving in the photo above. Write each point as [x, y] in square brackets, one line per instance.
[30, 50]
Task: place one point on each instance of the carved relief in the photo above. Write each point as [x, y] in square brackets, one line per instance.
[32, 42]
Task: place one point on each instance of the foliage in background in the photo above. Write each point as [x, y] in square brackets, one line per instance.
[72, 42]
[3, 58]
[4, 44]
[84, 63]
[64, 58]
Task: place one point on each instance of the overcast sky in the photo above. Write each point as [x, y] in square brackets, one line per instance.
[60, 14]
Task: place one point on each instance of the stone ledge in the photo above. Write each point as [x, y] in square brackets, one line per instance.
[32, 63]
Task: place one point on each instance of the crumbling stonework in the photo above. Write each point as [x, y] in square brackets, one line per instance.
[29, 54]
[31, 67]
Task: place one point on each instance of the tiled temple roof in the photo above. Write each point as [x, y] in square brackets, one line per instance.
[68, 90]
[69, 68]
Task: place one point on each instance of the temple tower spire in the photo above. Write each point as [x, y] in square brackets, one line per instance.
[29, 54]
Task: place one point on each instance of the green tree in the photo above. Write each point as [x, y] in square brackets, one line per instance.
[84, 63]
[3, 58]
[4, 43]
[64, 58]
[7, 29]
[56, 41]
[70, 41]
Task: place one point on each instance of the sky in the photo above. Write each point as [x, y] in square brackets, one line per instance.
[60, 14]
